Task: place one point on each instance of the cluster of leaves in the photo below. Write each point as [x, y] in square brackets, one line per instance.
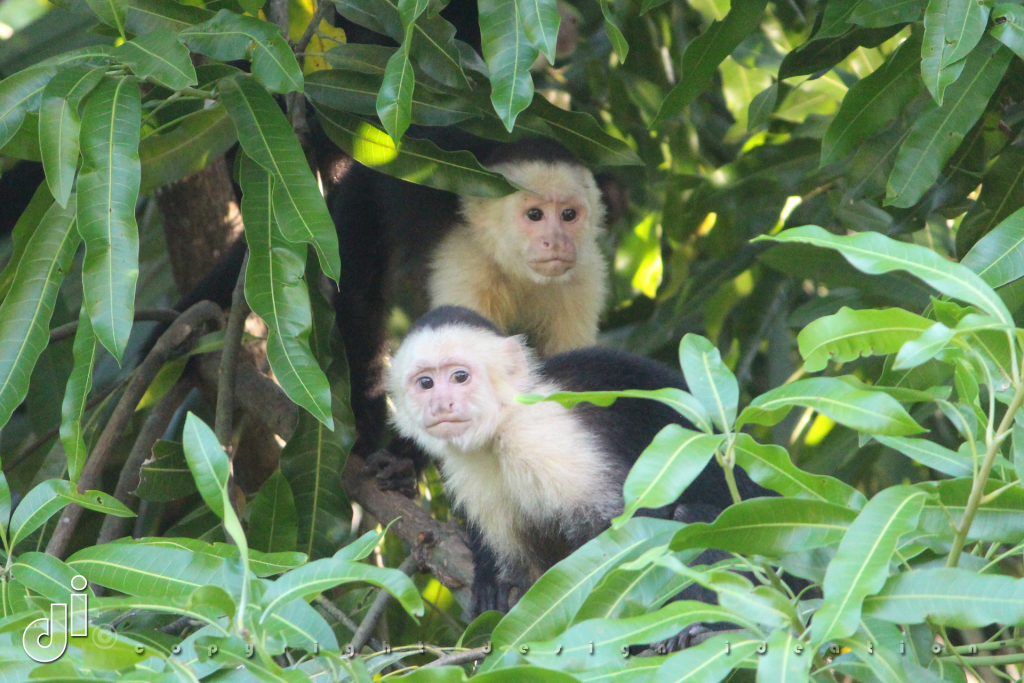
[872, 116]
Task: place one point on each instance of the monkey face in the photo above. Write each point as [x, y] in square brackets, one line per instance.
[552, 228]
[449, 387]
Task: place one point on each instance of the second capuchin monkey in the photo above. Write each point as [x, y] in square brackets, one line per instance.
[529, 261]
[534, 482]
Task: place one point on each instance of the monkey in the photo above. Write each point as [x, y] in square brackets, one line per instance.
[530, 261]
[534, 482]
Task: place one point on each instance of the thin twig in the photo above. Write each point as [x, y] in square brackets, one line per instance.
[53, 431]
[185, 327]
[338, 614]
[314, 23]
[162, 315]
[228, 356]
[463, 657]
[376, 610]
[152, 429]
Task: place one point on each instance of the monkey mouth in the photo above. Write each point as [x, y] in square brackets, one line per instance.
[553, 267]
[447, 425]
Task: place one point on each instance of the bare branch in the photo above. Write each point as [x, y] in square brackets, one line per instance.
[462, 657]
[161, 315]
[380, 604]
[152, 429]
[188, 324]
[228, 357]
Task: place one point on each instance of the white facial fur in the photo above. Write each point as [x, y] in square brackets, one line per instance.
[449, 385]
[538, 235]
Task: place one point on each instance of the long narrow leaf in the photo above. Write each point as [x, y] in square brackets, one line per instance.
[75, 394]
[59, 126]
[509, 55]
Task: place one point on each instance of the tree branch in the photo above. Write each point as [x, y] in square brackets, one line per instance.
[162, 315]
[380, 604]
[187, 324]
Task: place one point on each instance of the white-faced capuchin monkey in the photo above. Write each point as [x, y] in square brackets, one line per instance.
[534, 482]
[529, 261]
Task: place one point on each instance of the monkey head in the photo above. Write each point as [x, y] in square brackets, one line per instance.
[542, 232]
[450, 385]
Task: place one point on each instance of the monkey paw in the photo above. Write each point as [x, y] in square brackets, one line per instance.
[393, 473]
[692, 635]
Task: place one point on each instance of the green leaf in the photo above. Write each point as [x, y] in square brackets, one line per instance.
[19, 95]
[769, 527]
[995, 520]
[166, 475]
[861, 566]
[267, 137]
[433, 48]
[930, 454]
[952, 28]
[356, 92]
[849, 334]
[509, 56]
[208, 463]
[872, 103]
[706, 52]
[5, 505]
[160, 57]
[939, 130]
[312, 462]
[149, 571]
[23, 230]
[583, 135]
[826, 53]
[599, 642]
[367, 59]
[708, 662]
[1002, 192]
[46, 575]
[38, 505]
[682, 402]
[781, 662]
[949, 597]
[59, 126]
[540, 20]
[419, 161]
[394, 101]
[879, 13]
[998, 257]
[230, 36]
[26, 310]
[321, 575]
[762, 106]
[1018, 452]
[618, 40]
[111, 12]
[275, 290]
[866, 411]
[873, 253]
[771, 467]
[1008, 27]
[273, 519]
[77, 390]
[548, 606]
[108, 187]
[152, 15]
[361, 548]
[666, 468]
[199, 138]
[710, 381]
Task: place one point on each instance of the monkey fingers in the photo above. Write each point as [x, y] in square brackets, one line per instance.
[393, 473]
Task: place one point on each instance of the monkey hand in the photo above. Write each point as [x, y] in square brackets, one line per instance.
[499, 594]
[393, 472]
[692, 635]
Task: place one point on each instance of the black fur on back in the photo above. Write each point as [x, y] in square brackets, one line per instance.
[443, 316]
[630, 424]
[532, 149]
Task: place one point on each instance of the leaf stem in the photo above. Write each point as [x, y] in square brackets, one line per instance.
[980, 481]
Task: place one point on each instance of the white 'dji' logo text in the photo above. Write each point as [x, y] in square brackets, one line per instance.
[55, 627]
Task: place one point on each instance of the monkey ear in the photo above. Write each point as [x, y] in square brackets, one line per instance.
[518, 358]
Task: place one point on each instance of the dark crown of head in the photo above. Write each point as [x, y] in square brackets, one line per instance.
[532, 149]
[444, 316]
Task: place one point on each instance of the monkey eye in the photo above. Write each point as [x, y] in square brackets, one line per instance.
[425, 383]
[569, 215]
[535, 214]
[460, 376]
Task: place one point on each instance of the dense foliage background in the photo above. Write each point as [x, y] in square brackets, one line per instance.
[868, 370]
